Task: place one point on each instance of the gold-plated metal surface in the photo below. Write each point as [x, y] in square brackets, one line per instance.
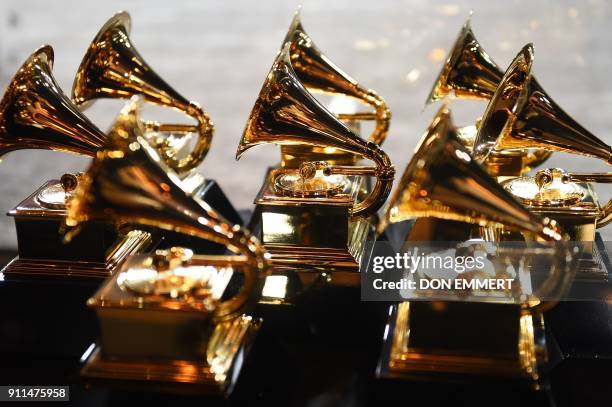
[569, 199]
[56, 195]
[129, 183]
[285, 113]
[39, 224]
[161, 137]
[521, 115]
[36, 114]
[504, 164]
[314, 216]
[470, 73]
[173, 295]
[113, 68]
[315, 234]
[442, 180]
[213, 374]
[319, 74]
[310, 182]
[522, 358]
[565, 197]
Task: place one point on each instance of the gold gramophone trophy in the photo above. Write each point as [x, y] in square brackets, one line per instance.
[470, 73]
[113, 68]
[521, 115]
[318, 187]
[446, 191]
[173, 296]
[313, 218]
[318, 74]
[36, 114]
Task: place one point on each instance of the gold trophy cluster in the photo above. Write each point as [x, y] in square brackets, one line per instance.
[314, 215]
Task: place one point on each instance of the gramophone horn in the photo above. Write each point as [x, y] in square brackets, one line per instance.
[36, 114]
[318, 74]
[443, 181]
[127, 182]
[469, 72]
[113, 68]
[285, 113]
[521, 115]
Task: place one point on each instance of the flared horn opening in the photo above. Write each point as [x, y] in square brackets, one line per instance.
[500, 113]
[119, 21]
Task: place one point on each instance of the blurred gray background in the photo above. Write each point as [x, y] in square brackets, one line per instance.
[218, 53]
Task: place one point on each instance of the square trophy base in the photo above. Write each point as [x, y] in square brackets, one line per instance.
[579, 221]
[313, 235]
[94, 252]
[214, 373]
[464, 342]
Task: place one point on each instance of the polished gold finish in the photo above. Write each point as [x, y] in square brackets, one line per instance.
[42, 223]
[443, 181]
[129, 183]
[154, 133]
[113, 68]
[285, 113]
[318, 74]
[565, 197]
[212, 375]
[544, 178]
[175, 296]
[521, 115]
[313, 235]
[470, 73]
[504, 164]
[315, 217]
[406, 361]
[36, 114]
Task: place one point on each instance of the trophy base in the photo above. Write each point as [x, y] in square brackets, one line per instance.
[313, 236]
[215, 374]
[480, 342]
[132, 243]
[47, 300]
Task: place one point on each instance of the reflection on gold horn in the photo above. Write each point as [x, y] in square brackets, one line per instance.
[469, 72]
[36, 114]
[128, 183]
[113, 68]
[521, 115]
[443, 181]
[319, 74]
[285, 113]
